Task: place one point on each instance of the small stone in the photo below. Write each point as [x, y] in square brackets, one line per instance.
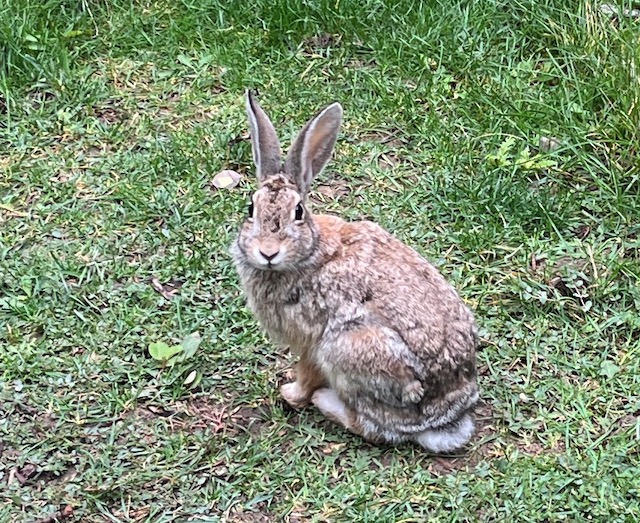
[548, 144]
[523, 397]
[613, 11]
[609, 9]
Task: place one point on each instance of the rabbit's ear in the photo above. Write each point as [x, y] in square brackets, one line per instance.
[264, 140]
[312, 148]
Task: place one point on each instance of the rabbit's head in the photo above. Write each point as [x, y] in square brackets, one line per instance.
[279, 233]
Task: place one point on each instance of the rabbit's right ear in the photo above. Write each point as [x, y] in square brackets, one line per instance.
[264, 140]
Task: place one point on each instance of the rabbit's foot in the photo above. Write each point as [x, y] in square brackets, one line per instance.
[294, 395]
[328, 402]
[413, 392]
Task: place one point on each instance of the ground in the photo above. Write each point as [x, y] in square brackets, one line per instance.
[499, 139]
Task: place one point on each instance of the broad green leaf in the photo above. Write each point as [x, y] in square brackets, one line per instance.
[609, 369]
[184, 60]
[160, 351]
[157, 349]
[177, 355]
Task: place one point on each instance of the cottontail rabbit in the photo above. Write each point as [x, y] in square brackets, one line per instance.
[386, 346]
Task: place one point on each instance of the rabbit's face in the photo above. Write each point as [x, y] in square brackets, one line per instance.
[278, 233]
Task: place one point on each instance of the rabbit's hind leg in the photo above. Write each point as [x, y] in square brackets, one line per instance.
[328, 402]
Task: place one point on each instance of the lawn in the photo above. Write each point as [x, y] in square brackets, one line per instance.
[500, 139]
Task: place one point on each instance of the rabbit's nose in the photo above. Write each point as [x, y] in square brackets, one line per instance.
[269, 254]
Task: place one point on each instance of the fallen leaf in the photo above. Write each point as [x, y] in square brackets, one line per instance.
[333, 189]
[191, 378]
[226, 179]
[14, 475]
[29, 470]
[21, 475]
[167, 291]
[330, 448]
[162, 352]
[190, 344]
[609, 369]
[159, 411]
[583, 231]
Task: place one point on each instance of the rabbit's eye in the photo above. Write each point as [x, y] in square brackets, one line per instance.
[299, 212]
[250, 210]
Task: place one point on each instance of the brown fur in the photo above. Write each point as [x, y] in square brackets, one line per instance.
[386, 346]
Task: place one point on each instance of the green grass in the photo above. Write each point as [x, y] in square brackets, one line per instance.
[114, 117]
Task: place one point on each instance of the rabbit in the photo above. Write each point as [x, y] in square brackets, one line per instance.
[386, 346]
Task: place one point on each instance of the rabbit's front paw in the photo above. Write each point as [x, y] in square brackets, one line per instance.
[294, 395]
[413, 392]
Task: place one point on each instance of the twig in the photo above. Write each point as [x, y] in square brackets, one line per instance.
[166, 292]
[22, 476]
[14, 475]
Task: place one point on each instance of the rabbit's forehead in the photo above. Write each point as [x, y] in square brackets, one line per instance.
[284, 195]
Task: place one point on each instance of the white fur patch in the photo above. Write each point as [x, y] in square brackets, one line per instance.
[447, 440]
[260, 261]
[328, 402]
[255, 140]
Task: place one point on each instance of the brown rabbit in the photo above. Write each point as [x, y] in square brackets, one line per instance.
[386, 346]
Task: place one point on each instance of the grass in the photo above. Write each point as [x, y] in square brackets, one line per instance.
[115, 117]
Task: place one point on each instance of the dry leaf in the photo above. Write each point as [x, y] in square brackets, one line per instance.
[330, 448]
[191, 377]
[167, 291]
[226, 179]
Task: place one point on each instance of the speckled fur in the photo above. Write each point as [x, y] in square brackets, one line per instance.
[386, 346]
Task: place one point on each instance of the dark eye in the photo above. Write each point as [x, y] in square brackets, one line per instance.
[299, 212]
[250, 210]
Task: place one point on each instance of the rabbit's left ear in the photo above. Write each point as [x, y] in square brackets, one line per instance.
[312, 148]
[264, 140]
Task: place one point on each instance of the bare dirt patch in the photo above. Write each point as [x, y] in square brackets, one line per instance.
[319, 44]
[240, 515]
[202, 414]
[110, 113]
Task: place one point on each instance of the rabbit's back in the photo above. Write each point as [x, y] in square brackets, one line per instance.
[371, 278]
[365, 265]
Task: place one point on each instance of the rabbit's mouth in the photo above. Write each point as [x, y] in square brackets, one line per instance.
[269, 259]
[270, 267]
